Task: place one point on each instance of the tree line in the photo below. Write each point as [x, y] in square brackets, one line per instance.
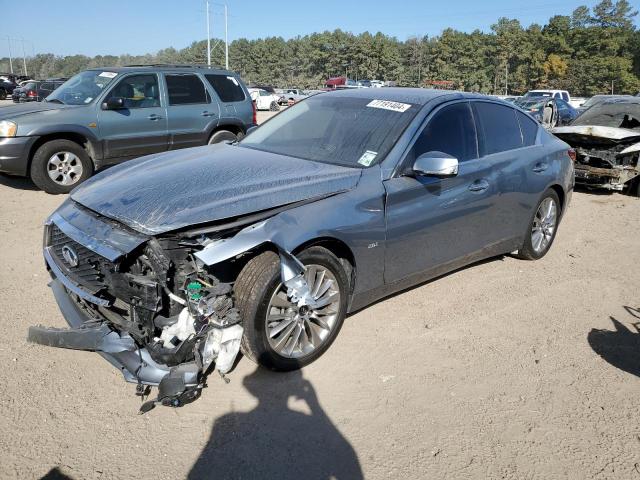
[588, 52]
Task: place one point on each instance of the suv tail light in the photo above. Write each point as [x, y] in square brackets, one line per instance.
[255, 113]
[32, 93]
[572, 154]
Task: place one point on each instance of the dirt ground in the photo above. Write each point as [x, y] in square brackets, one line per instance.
[506, 369]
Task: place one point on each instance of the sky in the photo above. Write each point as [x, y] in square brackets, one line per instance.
[92, 27]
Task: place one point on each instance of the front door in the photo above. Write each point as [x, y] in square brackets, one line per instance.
[434, 222]
[140, 128]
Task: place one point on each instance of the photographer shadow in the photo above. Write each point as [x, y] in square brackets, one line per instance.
[619, 347]
[273, 441]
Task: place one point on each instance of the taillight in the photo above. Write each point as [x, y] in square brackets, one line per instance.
[32, 93]
[572, 154]
[255, 113]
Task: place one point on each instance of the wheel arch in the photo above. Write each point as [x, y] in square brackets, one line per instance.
[76, 137]
[339, 248]
[561, 195]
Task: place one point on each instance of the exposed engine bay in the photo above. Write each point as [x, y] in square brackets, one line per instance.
[606, 138]
[158, 312]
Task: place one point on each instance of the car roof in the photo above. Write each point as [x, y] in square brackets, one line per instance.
[419, 96]
[164, 68]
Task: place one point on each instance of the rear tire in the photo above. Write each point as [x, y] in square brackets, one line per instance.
[254, 291]
[274, 107]
[222, 136]
[77, 166]
[539, 237]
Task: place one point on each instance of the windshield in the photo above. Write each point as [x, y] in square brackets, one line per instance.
[348, 131]
[619, 114]
[530, 103]
[82, 88]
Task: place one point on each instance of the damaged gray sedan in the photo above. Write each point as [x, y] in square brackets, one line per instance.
[169, 265]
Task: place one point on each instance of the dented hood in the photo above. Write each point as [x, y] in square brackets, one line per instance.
[174, 190]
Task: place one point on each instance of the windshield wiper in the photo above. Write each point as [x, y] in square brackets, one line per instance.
[56, 100]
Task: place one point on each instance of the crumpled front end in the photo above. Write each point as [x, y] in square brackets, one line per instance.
[158, 308]
[606, 157]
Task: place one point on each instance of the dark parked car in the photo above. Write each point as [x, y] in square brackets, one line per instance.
[171, 262]
[6, 89]
[550, 112]
[36, 91]
[105, 116]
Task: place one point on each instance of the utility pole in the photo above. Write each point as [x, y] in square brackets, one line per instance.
[24, 59]
[226, 37]
[208, 38]
[10, 59]
[506, 79]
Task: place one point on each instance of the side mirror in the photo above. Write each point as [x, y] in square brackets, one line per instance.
[437, 164]
[114, 103]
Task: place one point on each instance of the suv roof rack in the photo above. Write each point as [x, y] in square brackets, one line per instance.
[171, 65]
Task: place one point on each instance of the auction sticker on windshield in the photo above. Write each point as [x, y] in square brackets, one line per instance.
[387, 105]
[367, 158]
[108, 74]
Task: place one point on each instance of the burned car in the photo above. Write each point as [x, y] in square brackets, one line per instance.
[606, 138]
[170, 264]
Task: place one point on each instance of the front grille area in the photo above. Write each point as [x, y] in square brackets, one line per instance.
[90, 268]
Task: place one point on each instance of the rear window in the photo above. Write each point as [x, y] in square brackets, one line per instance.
[498, 127]
[529, 129]
[185, 90]
[227, 87]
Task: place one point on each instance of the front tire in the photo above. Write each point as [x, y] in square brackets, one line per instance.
[278, 334]
[542, 227]
[59, 166]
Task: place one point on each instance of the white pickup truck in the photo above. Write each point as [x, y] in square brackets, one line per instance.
[563, 94]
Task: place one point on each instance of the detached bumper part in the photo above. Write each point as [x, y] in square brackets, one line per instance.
[98, 338]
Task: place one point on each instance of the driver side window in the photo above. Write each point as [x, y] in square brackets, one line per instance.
[451, 131]
[138, 91]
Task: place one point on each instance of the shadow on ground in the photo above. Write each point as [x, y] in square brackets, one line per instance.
[56, 474]
[17, 182]
[619, 347]
[274, 441]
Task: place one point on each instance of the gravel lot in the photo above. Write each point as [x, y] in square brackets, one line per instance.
[506, 369]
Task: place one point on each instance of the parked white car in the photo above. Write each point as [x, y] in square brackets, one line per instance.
[264, 100]
[292, 95]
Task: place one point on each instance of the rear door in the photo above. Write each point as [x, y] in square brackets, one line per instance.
[191, 110]
[503, 150]
[141, 127]
[434, 222]
[233, 101]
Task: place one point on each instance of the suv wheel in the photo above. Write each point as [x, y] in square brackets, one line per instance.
[222, 136]
[279, 334]
[60, 165]
[542, 228]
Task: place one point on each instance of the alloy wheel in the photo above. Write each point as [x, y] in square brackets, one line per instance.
[544, 225]
[64, 168]
[296, 330]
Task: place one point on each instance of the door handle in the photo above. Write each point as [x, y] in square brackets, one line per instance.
[540, 167]
[208, 114]
[479, 186]
[153, 116]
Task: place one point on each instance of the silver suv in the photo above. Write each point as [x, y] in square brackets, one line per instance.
[104, 116]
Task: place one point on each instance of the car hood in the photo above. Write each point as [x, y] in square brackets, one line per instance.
[13, 111]
[174, 190]
[584, 135]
